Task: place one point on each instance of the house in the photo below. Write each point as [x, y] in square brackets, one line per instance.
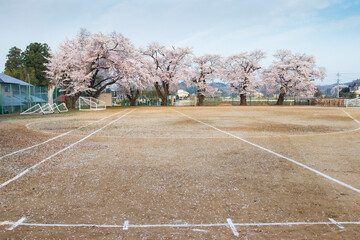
[182, 94]
[355, 87]
[257, 94]
[17, 95]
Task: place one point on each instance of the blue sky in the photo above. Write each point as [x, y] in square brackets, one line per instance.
[327, 29]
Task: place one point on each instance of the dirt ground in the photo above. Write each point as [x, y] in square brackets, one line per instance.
[156, 166]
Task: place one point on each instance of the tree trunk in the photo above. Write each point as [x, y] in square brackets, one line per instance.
[280, 100]
[243, 99]
[70, 101]
[201, 99]
[133, 102]
[163, 95]
[51, 89]
[99, 91]
[133, 96]
[164, 101]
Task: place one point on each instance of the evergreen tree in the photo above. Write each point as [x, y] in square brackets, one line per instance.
[28, 63]
[14, 63]
[35, 57]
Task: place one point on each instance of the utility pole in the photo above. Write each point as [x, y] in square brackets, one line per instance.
[338, 84]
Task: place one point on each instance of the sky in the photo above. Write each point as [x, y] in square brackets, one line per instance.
[326, 29]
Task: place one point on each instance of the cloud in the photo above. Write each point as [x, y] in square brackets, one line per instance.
[209, 26]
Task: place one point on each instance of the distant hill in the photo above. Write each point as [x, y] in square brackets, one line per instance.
[326, 89]
[192, 90]
[226, 90]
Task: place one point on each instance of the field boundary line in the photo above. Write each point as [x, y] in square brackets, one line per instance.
[311, 135]
[351, 117]
[15, 224]
[232, 227]
[58, 136]
[319, 134]
[275, 153]
[126, 225]
[336, 223]
[166, 137]
[62, 150]
[187, 225]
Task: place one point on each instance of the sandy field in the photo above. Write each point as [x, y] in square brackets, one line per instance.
[182, 173]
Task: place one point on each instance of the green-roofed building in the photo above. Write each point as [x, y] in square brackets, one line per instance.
[17, 95]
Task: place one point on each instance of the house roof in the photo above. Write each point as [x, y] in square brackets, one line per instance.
[11, 101]
[354, 83]
[182, 93]
[10, 80]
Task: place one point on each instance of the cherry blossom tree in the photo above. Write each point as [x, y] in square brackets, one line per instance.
[88, 64]
[336, 90]
[135, 77]
[240, 72]
[168, 68]
[292, 73]
[55, 69]
[203, 70]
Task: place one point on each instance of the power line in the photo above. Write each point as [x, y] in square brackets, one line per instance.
[335, 73]
[349, 73]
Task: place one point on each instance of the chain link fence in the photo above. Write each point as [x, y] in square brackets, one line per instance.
[17, 98]
[233, 101]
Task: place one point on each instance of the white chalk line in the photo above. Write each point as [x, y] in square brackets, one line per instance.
[56, 137]
[175, 137]
[126, 225]
[62, 150]
[199, 230]
[177, 225]
[332, 133]
[270, 136]
[351, 117]
[15, 224]
[318, 134]
[308, 135]
[336, 223]
[232, 227]
[276, 154]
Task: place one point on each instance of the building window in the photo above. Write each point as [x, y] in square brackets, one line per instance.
[6, 88]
